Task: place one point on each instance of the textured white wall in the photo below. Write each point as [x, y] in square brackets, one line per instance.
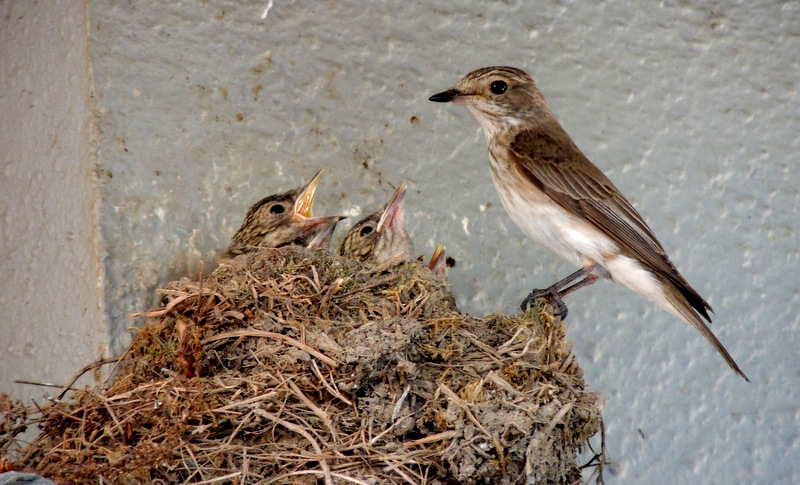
[690, 107]
[52, 320]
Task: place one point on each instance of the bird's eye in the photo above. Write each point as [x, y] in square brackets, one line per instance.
[365, 230]
[277, 209]
[499, 87]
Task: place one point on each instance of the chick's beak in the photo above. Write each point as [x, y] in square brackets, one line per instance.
[438, 264]
[437, 256]
[304, 221]
[393, 213]
[323, 237]
[302, 206]
[314, 225]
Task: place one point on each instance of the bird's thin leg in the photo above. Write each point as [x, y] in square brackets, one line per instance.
[588, 280]
[557, 287]
[556, 291]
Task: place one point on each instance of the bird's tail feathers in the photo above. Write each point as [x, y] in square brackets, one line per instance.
[687, 311]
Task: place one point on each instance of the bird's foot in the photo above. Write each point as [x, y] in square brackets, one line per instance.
[555, 292]
[550, 296]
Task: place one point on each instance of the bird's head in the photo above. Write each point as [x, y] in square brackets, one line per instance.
[499, 97]
[282, 219]
[380, 236]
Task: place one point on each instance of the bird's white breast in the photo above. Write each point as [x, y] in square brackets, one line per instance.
[546, 222]
[570, 236]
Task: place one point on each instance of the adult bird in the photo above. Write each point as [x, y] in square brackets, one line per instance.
[562, 201]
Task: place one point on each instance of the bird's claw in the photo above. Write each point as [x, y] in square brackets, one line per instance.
[551, 297]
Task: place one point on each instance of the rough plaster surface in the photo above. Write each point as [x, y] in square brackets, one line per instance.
[690, 107]
[52, 320]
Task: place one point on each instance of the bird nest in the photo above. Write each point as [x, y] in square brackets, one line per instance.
[297, 366]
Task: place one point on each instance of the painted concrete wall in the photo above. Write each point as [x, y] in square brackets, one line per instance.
[52, 321]
[690, 107]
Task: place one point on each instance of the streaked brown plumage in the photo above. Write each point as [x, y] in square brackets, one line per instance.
[561, 200]
[380, 236]
[280, 220]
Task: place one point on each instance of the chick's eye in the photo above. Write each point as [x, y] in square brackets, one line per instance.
[499, 87]
[365, 230]
[277, 209]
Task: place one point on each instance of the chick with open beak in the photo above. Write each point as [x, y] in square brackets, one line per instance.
[281, 220]
[381, 236]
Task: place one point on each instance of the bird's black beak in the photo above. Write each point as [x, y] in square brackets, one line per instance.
[446, 96]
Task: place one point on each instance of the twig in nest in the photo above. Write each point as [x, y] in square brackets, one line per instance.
[330, 387]
[81, 372]
[277, 336]
[317, 472]
[172, 304]
[399, 404]
[314, 408]
[597, 460]
[444, 435]
[544, 433]
[297, 429]
[34, 383]
[465, 407]
[389, 279]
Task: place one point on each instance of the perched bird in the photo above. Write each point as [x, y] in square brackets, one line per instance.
[280, 220]
[562, 201]
[380, 236]
[438, 264]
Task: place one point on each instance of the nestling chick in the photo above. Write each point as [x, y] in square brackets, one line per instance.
[280, 220]
[380, 236]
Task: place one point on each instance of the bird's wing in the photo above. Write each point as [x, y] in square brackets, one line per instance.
[551, 160]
